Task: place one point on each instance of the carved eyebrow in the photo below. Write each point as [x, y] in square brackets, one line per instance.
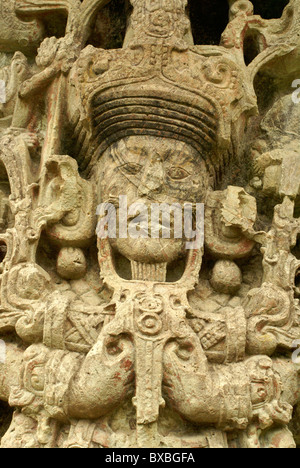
[167, 155]
[170, 152]
[181, 156]
[182, 151]
[130, 166]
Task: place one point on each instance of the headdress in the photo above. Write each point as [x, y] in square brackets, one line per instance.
[159, 84]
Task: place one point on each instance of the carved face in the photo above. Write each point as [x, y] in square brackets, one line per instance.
[151, 170]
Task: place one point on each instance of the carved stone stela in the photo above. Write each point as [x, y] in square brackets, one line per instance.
[120, 342]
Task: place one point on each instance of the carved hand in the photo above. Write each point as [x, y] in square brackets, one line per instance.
[105, 379]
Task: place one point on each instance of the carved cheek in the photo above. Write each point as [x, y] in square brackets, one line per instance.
[192, 189]
[112, 182]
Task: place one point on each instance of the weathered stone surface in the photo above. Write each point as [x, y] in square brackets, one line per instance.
[148, 340]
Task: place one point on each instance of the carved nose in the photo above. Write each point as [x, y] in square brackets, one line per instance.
[152, 180]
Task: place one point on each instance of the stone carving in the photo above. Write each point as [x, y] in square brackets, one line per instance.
[139, 341]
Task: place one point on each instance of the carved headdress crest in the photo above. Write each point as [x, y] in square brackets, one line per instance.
[161, 84]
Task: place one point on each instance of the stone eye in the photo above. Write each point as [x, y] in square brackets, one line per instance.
[131, 168]
[177, 173]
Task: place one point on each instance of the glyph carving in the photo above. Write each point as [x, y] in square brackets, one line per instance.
[147, 338]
